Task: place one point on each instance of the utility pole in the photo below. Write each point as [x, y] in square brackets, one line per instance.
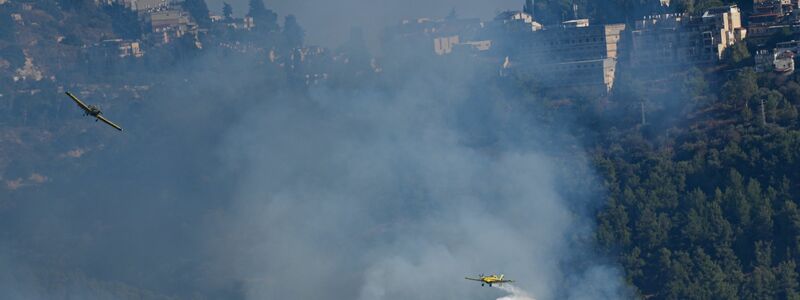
[644, 121]
[574, 11]
[763, 114]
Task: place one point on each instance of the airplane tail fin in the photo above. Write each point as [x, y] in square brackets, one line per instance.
[501, 276]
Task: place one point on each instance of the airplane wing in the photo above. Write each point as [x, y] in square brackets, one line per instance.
[101, 118]
[78, 101]
[474, 279]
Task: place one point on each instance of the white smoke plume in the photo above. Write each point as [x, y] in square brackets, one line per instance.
[379, 194]
[515, 293]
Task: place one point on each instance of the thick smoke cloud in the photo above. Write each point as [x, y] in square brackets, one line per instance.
[375, 194]
[328, 22]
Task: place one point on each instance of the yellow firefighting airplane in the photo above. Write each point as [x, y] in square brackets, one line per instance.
[94, 111]
[491, 279]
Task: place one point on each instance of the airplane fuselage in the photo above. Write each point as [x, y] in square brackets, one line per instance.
[490, 280]
[93, 111]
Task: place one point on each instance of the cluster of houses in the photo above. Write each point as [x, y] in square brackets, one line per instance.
[576, 53]
[779, 59]
[771, 18]
[165, 21]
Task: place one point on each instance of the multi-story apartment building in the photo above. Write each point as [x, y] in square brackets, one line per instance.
[572, 54]
[681, 39]
[572, 41]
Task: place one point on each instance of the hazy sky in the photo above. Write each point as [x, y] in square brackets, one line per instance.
[328, 22]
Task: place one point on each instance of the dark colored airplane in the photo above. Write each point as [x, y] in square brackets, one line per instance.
[94, 111]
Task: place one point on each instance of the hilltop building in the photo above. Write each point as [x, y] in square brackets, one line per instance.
[168, 20]
[681, 39]
[780, 59]
[770, 17]
[116, 48]
[167, 25]
[436, 37]
[572, 54]
[784, 62]
[111, 56]
[520, 21]
[149, 5]
[144, 5]
[571, 41]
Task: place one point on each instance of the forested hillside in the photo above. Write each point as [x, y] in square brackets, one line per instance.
[706, 206]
